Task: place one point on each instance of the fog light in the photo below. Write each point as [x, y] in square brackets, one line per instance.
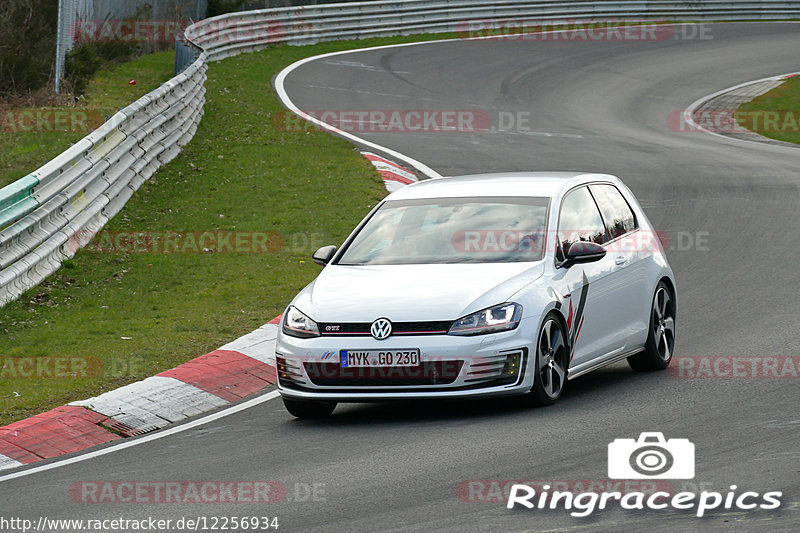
[280, 363]
[286, 370]
[511, 368]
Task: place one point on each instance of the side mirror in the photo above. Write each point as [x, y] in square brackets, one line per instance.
[324, 255]
[583, 252]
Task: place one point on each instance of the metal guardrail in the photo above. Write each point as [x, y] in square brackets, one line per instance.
[46, 216]
[186, 53]
[233, 33]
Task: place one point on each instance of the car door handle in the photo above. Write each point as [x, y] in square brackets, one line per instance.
[621, 260]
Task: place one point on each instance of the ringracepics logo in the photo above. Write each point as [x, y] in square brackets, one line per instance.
[650, 456]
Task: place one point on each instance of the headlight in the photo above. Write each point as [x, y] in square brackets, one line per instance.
[501, 317]
[296, 324]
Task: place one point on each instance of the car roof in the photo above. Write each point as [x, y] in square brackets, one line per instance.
[541, 184]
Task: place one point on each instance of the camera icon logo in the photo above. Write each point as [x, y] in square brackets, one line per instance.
[651, 457]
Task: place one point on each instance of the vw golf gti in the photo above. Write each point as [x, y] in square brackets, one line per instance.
[479, 286]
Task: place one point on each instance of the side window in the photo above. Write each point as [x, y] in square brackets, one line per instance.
[579, 220]
[616, 211]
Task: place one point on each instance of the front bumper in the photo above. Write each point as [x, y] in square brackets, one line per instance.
[451, 366]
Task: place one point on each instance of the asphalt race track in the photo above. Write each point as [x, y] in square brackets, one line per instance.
[599, 106]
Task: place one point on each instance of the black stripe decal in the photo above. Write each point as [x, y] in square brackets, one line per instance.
[579, 312]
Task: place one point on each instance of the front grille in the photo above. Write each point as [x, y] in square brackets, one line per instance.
[428, 373]
[361, 329]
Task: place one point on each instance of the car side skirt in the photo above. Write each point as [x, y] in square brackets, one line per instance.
[600, 362]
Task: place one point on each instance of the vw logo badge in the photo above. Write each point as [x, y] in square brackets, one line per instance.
[381, 329]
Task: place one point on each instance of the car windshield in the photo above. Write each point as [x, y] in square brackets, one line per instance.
[451, 230]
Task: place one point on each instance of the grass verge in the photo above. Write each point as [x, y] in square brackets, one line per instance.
[108, 317]
[29, 137]
[774, 114]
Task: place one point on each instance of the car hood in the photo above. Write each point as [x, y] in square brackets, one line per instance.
[404, 293]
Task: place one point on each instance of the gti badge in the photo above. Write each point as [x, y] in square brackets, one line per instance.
[381, 328]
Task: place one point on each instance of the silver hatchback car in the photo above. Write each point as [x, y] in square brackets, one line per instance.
[479, 286]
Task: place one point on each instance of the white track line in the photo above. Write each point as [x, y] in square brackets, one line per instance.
[689, 111]
[147, 438]
[290, 105]
[279, 87]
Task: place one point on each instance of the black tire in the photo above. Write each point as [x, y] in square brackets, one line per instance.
[660, 345]
[551, 363]
[309, 408]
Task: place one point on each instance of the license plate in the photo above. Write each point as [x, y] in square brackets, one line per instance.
[383, 358]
